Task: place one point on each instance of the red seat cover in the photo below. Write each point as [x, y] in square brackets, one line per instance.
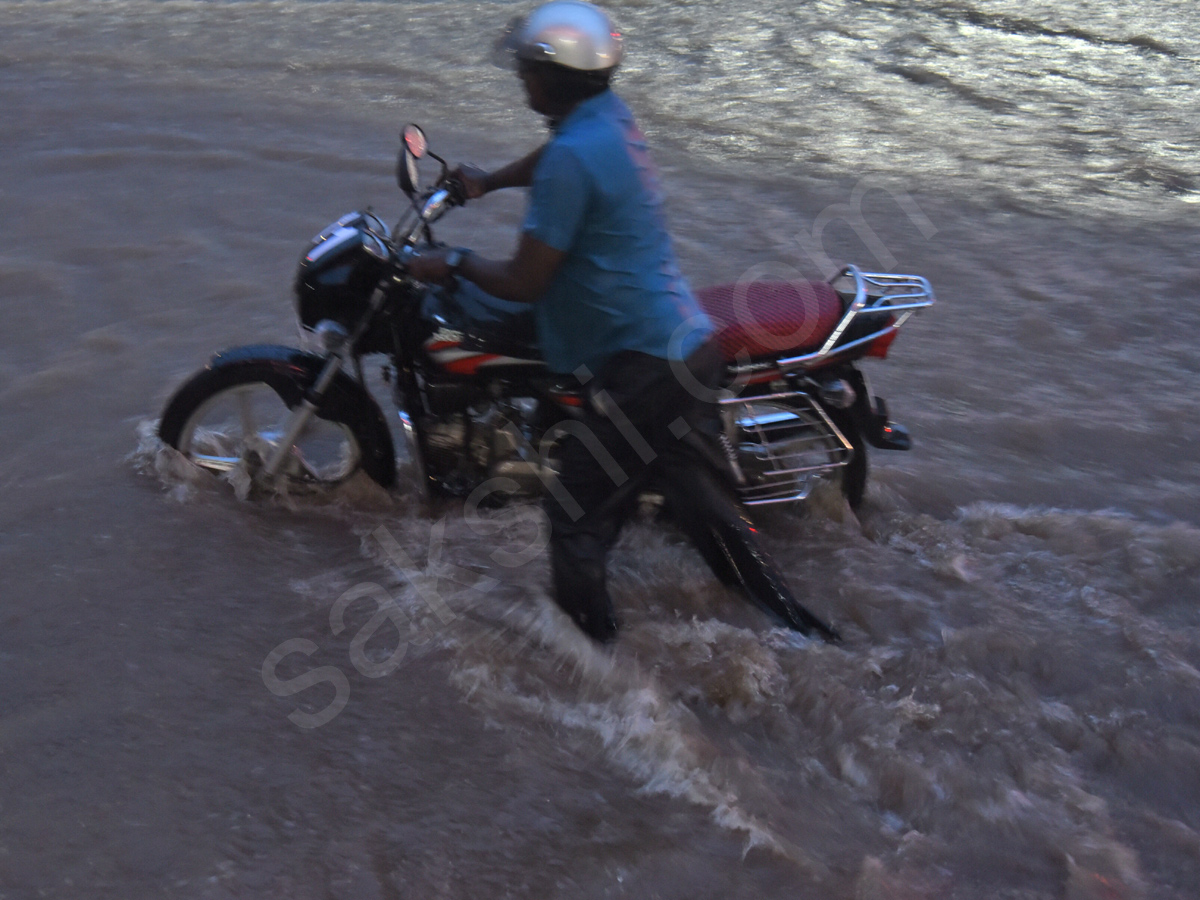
[769, 318]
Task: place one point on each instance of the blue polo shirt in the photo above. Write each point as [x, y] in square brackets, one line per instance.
[596, 197]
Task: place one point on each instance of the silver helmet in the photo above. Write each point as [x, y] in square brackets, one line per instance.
[570, 33]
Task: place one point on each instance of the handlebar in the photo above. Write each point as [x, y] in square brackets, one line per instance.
[447, 195]
[457, 189]
[435, 205]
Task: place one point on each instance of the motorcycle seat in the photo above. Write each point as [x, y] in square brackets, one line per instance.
[768, 318]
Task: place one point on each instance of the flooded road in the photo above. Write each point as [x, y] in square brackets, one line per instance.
[1016, 711]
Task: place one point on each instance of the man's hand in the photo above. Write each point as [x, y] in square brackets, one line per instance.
[476, 182]
[522, 279]
[473, 180]
[430, 267]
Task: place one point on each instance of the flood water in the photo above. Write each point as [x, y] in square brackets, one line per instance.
[1016, 710]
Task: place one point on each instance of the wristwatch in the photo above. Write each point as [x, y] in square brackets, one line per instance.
[456, 257]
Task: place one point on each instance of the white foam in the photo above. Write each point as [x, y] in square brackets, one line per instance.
[184, 480]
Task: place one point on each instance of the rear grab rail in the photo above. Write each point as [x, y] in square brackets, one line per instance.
[875, 294]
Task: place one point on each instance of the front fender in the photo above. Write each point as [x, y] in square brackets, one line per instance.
[291, 362]
[298, 370]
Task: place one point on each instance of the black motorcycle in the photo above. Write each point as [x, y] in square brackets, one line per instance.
[475, 402]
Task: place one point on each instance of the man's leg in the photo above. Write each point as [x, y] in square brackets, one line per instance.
[603, 489]
[579, 546]
[717, 523]
[704, 504]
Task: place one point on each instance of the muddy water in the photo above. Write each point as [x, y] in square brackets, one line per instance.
[1015, 712]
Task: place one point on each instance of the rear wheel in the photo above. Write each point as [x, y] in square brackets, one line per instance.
[225, 419]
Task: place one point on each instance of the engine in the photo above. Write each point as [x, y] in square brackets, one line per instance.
[493, 440]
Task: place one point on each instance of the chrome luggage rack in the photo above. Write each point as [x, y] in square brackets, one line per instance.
[783, 449]
[876, 294]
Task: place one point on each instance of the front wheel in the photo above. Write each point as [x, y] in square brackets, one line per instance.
[231, 417]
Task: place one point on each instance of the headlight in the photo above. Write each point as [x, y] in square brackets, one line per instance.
[331, 337]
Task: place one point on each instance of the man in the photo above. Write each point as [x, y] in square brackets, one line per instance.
[614, 311]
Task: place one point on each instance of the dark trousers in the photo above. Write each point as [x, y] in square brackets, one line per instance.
[642, 424]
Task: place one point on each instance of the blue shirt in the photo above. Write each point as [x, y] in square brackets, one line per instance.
[596, 197]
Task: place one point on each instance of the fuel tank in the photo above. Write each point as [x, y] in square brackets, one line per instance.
[473, 330]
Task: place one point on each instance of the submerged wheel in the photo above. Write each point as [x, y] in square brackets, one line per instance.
[229, 417]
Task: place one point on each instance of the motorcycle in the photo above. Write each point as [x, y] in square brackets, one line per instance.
[476, 405]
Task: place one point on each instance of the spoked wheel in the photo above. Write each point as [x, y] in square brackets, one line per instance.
[226, 420]
[246, 423]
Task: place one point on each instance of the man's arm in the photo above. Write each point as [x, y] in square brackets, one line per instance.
[557, 203]
[515, 174]
[518, 173]
[522, 279]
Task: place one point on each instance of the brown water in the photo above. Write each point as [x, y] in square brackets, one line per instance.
[1016, 712]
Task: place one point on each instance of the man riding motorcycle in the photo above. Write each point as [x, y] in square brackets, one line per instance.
[614, 311]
